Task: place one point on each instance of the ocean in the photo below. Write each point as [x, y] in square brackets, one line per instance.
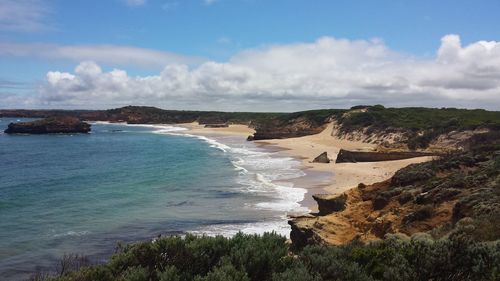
[84, 193]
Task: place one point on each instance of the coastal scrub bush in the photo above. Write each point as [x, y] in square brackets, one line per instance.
[411, 174]
[268, 258]
[422, 213]
[420, 126]
[405, 197]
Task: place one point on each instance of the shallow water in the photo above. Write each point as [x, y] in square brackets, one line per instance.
[83, 193]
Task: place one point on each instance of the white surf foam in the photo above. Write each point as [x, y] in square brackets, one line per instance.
[280, 226]
[264, 173]
[72, 233]
[260, 172]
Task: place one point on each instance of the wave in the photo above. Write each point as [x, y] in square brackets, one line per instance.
[263, 173]
[280, 226]
[212, 143]
[72, 233]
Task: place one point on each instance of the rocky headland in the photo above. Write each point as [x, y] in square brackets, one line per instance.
[427, 197]
[51, 125]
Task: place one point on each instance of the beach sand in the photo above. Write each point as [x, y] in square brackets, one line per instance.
[235, 130]
[345, 175]
[342, 176]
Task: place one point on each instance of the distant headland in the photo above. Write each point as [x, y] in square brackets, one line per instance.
[50, 125]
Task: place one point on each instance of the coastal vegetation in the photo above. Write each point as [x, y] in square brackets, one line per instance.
[446, 228]
[419, 126]
[269, 257]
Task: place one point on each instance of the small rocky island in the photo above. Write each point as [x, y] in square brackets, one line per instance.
[50, 125]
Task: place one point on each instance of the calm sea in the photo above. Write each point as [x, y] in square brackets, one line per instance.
[81, 194]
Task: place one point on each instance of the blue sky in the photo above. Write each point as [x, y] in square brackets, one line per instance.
[197, 32]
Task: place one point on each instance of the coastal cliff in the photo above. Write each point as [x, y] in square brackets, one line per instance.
[430, 197]
[51, 125]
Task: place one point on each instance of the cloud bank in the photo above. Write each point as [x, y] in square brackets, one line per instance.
[105, 54]
[329, 72]
[23, 15]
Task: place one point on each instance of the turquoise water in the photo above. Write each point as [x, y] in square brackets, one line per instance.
[83, 193]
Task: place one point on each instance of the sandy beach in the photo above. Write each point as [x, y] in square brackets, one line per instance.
[235, 130]
[343, 176]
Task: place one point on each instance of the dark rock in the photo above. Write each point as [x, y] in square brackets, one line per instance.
[380, 201]
[250, 138]
[322, 158]
[328, 203]
[302, 236]
[346, 156]
[224, 125]
[51, 125]
[381, 227]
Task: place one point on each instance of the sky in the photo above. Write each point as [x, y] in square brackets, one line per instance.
[249, 55]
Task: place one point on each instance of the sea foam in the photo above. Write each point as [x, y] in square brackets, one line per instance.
[264, 173]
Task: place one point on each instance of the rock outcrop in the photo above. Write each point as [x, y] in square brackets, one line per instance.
[224, 125]
[322, 158]
[51, 125]
[328, 203]
[302, 234]
[421, 197]
[346, 156]
[304, 228]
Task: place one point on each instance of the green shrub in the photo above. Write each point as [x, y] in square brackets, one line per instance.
[225, 272]
[412, 174]
[267, 258]
[405, 197]
[135, 274]
[422, 213]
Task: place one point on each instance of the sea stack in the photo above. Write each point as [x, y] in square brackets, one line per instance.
[51, 125]
[322, 158]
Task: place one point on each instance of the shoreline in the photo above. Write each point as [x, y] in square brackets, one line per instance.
[331, 178]
[314, 181]
[344, 175]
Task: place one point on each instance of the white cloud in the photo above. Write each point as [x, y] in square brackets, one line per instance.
[105, 54]
[134, 3]
[326, 73]
[23, 15]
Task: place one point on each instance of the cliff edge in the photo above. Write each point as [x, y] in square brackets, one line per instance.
[427, 197]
